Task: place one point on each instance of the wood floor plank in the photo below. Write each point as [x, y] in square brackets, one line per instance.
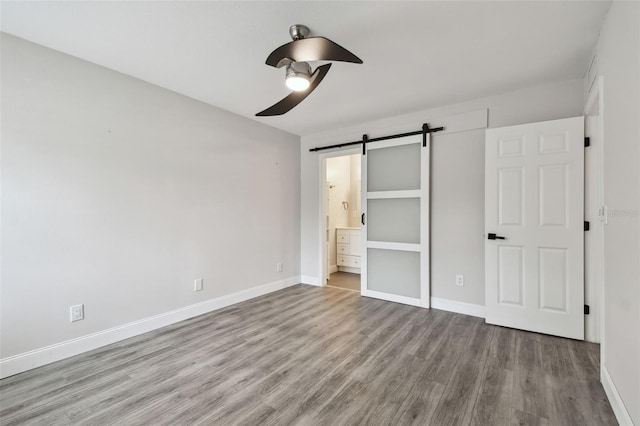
[528, 351]
[503, 347]
[459, 398]
[493, 405]
[585, 359]
[521, 418]
[533, 392]
[420, 405]
[308, 355]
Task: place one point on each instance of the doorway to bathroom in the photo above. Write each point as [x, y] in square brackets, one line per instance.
[342, 214]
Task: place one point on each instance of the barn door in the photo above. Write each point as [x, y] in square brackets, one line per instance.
[395, 231]
[534, 248]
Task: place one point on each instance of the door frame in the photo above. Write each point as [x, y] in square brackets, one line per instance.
[425, 263]
[322, 164]
[594, 107]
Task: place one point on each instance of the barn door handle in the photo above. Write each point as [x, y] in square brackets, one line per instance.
[495, 237]
[362, 219]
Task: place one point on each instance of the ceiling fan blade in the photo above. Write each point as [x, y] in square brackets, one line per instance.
[295, 98]
[310, 49]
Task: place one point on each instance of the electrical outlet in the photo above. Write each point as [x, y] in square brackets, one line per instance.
[278, 267]
[76, 313]
[460, 280]
[197, 285]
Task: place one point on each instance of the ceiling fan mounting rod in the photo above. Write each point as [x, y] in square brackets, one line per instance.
[298, 32]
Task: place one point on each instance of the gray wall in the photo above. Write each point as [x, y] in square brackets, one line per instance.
[618, 61]
[118, 194]
[457, 179]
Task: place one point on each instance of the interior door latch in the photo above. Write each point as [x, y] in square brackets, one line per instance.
[491, 236]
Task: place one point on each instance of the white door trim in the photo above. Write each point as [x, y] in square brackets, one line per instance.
[593, 105]
[594, 251]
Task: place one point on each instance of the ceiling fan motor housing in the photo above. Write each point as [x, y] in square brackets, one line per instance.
[297, 68]
[298, 31]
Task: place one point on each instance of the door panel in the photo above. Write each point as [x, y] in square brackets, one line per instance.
[395, 257]
[553, 195]
[393, 168]
[511, 196]
[394, 220]
[553, 279]
[534, 197]
[354, 243]
[511, 275]
[394, 272]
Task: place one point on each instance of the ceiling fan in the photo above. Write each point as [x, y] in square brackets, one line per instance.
[295, 57]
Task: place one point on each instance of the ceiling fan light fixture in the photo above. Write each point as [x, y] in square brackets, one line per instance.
[295, 56]
[298, 84]
[298, 76]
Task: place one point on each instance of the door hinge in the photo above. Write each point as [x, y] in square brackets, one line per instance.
[587, 142]
[586, 309]
[586, 225]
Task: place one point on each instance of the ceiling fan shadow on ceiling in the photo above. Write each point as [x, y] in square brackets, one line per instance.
[295, 57]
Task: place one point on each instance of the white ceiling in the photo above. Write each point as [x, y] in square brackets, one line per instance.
[416, 54]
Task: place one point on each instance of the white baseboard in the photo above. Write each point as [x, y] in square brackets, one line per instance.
[39, 357]
[622, 415]
[349, 269]
[458, 307]
[333, 268]
[306, 279]
[405, 300]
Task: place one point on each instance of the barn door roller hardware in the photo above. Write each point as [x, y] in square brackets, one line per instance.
[425, 132]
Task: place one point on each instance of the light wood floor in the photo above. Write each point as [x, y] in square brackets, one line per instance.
[309, 355]
[344, 280]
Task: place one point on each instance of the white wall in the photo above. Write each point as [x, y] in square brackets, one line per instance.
[618, 61]
[354, 198]
[118, 194]
[457, 203]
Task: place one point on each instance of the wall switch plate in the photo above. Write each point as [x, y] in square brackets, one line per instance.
[460, 280]
[603, 214]
[76, 313]
[278, 267]
[197, 285]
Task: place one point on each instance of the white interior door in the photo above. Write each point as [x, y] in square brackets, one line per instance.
[395, 232]
[534, 198]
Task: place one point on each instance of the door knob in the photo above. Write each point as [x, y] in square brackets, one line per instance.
[491, 236]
